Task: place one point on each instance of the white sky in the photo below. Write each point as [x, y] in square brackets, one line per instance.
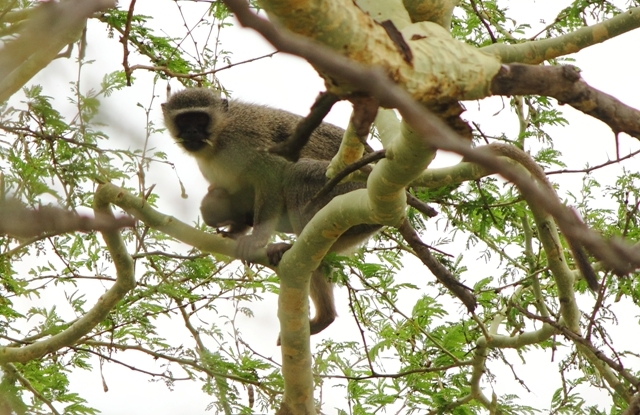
[289, 83]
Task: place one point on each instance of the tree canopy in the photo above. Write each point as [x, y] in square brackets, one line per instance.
[490, 265]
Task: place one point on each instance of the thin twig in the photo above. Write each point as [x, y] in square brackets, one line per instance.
[124, 39]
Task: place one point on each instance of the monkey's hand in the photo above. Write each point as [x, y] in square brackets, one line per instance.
[227, 233]
[275, 252]
[233, 231]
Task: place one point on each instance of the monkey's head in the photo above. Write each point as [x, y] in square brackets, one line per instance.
[191, 116]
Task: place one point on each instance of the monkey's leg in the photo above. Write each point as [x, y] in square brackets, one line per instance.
[266, 216]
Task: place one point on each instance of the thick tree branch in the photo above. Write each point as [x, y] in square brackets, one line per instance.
[634, 406]
[442, 71]
[19, 221]
[433, 131]
[565, 84]
[436, 11]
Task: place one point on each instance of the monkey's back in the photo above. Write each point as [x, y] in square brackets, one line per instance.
[268, 126]
[303, 180]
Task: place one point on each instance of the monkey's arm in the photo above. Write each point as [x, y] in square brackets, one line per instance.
[268, 206]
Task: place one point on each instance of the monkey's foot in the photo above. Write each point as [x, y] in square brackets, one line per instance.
[275, 252]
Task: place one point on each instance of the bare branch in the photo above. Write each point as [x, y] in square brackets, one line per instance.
[439, 271]
[124, 39]
[198, 76]
[583, 342]
[565, 84]
[17, 220]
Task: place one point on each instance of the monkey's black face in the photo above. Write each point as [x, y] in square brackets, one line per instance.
[193, 130]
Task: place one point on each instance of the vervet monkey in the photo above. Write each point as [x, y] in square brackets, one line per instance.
[251, 187]
[228, 139]
[302, 180]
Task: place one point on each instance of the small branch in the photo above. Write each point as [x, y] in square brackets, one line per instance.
[12, 370]
[335, 180]
[599, 166]
[582, 341]
[195, 76]
[171, 226]
[405, 373]
[124, 39]
[168, 255]
[128, 366]
[483, 21]
[186, 362]
[353, 300]
[421, 206]
[439, 271]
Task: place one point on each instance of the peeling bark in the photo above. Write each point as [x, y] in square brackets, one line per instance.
[565, 84]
